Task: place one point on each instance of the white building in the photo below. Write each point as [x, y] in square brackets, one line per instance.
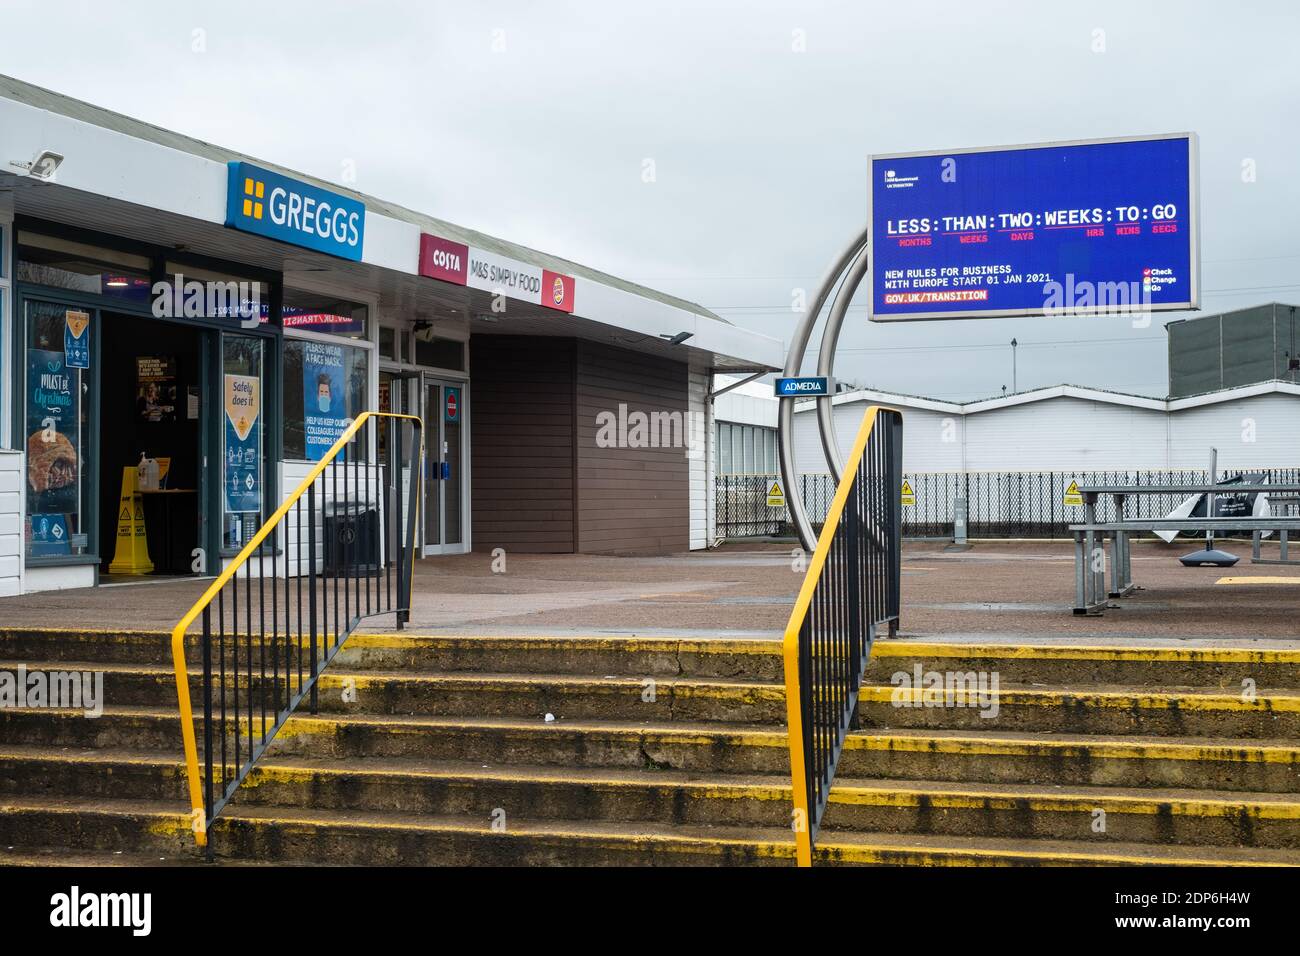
[746, 426]
[1071, 428]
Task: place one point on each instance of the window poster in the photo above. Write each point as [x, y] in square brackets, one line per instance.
[76, 338]
[53, 400]
[49, 535]
[155, 388]
[325, 415]
[243, 433]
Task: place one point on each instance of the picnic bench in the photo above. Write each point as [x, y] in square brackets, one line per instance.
[1090, 535]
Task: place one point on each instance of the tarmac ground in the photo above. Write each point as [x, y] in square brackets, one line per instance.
[991, 591]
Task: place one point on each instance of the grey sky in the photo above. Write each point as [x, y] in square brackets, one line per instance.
[533, 121]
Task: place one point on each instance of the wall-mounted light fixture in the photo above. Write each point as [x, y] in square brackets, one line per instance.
[43, 166]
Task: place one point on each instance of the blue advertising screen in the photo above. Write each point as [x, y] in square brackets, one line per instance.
[1080, 228]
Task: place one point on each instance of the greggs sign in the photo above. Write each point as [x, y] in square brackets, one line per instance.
[260, 201]
[465, 265]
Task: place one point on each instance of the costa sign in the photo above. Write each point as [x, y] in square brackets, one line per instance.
[461, 264]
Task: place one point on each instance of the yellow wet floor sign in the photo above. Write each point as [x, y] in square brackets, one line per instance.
[132, 554]
[775, 496]
[1073, 496]
[909, 496]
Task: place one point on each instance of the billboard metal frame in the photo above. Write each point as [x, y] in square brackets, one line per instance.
[1193, 228]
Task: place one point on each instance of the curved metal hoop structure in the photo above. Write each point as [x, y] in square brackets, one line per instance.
[855, 258]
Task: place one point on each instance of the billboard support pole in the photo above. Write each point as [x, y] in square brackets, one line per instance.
[826, 360]
[793, 363]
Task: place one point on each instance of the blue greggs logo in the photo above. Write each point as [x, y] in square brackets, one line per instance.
[275, 206]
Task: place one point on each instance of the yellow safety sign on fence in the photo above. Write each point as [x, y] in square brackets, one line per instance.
[775, 496]
[1072, 494]
[132, 554]
[909, 496]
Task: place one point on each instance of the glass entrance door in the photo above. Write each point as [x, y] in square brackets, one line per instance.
[444, 435]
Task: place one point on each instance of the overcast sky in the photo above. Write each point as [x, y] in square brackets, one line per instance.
[534, 121]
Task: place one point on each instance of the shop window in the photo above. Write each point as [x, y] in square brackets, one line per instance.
[224, 295]
[56, 434]
[390, 343]
[746, 449]
[324, 389]
[61, 264]
[243, 442]
[313, 312]
[439, 353]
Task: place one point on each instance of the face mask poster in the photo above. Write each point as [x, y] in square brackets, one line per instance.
[324, 408]
[243, 480]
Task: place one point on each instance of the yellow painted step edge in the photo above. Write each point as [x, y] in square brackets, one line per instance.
[912, 697]
[1207, 655]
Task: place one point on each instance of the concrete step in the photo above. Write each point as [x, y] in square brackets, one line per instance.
[1066, 759]
[110, 645]
[1089, 709]
[564, 696]
[447, 788]
[1068, 665]
[154, 685]
[302, 835]
[519, 695]
[62, 856]
[630, 655]
[1270, 766]
[1085, 814]
[130, 728]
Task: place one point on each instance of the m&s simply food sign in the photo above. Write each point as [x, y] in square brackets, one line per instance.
[275, 206]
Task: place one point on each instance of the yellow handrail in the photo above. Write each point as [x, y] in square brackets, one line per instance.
[198, 811]
[802, 821]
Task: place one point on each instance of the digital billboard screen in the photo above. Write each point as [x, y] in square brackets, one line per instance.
[1091, 227]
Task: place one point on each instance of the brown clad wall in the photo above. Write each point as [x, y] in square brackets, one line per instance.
[541, 482]
[631, 499]
[521, 443]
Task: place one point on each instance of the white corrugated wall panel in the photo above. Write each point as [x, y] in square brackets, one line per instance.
[1063, 434]
[931, 440]
[701, 428]
[1258, 432]
[11, 523]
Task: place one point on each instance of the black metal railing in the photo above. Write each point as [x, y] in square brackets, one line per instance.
[851, 589]
[340, 549]
[999, 504]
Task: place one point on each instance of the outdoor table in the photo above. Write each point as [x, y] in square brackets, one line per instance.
[1090, 574]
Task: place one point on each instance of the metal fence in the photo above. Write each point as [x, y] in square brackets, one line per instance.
[851, 590]
[999, 504]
